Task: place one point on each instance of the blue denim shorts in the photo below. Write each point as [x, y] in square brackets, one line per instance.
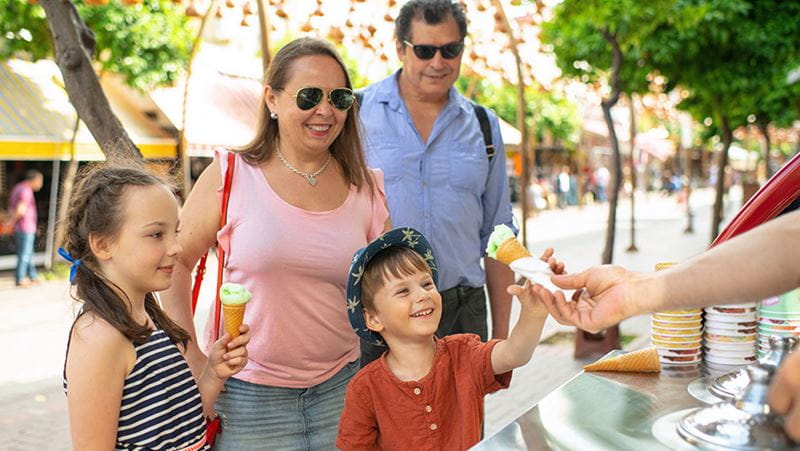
[264, 417]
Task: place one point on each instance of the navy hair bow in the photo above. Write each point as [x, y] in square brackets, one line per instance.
[75, 262]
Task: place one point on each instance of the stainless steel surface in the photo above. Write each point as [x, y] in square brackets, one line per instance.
[727, 386]
[743, 424]
[700, 390]
[597, 411]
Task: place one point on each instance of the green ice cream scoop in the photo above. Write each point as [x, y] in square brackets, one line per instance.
[234, 294]
[499, 235]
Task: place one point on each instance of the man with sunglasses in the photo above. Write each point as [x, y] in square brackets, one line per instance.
[440, 179]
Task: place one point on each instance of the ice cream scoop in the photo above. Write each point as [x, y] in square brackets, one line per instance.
[234, 297]
[503, 245]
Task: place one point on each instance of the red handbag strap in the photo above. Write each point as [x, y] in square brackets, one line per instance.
[201, 267]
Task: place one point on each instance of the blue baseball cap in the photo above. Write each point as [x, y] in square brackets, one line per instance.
[402, 237]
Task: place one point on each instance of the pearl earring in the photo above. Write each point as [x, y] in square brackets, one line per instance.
[274, 116]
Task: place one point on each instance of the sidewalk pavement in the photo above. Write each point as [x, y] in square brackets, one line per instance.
[36, 320]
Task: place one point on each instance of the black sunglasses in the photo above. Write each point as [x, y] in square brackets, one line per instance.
[309, 97]
[426, 52]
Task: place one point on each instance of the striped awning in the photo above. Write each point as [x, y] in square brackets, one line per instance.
[37, 118]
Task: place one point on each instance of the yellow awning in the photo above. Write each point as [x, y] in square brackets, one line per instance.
[36, 117]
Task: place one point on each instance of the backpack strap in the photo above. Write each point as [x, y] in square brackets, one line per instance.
[359, 97]
[486, 129]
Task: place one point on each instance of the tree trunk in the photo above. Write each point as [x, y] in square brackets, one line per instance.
[632, 247]
[521, 114]
[616, 174]
[727, 139]
[763, 127]
[689, 179]
[588, 344]
[186, 166]
[74, 46]
[263, 21]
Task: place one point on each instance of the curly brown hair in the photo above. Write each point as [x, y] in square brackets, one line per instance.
[97, 208]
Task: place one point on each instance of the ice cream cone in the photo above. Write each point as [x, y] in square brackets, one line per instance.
[510, 250]
[644, 360]
[234, 315]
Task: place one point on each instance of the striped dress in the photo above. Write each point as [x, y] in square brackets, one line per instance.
[161, 407]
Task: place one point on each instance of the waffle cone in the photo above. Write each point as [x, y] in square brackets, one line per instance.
[643, 360]
[511, 250]
[234, 315]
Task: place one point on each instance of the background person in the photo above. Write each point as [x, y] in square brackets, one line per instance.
[757, 264]
[22, 205]
[302, 202]
[426, 138]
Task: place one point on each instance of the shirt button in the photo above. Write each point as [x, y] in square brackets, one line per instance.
[417, 391]
[433, 426]
[428, 409]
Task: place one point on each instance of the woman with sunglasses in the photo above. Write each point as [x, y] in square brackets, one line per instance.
[302, 202]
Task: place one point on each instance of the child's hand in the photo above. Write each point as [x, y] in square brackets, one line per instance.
[228, 357]
[528, 298]
[556, 266]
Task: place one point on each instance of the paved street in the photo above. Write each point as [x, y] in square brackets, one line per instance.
[36, 321]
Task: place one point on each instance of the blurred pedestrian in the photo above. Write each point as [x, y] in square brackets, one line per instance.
[22, 205]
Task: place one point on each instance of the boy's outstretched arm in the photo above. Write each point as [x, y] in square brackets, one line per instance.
[518, 348]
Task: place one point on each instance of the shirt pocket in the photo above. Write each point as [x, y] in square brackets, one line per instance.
[389, 155]
[469, 167]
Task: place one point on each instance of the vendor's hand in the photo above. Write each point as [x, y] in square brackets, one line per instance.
[228, 357]
[603, 302]
[556, 267]
[527, 297]
[784, 395]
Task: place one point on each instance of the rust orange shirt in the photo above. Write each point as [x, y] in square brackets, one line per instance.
[441, 411]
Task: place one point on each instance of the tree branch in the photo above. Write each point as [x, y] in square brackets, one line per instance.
[74, 46]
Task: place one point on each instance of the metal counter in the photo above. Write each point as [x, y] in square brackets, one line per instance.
[597, 411]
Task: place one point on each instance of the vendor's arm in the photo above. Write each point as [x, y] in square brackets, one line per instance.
[98, 362]
[752, 266]
[199, 224]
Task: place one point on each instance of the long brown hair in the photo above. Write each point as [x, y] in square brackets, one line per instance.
[96, 207]
[346, 148]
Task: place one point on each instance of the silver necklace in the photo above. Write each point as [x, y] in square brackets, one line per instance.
[312, 177]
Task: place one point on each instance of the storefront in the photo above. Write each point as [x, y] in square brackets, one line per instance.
[37, 126]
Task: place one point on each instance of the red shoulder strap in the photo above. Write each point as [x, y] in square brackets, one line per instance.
[201, 267]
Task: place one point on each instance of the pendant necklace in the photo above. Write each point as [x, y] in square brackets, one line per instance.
[310, 177]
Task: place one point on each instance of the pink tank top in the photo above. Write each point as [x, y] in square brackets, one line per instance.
[295, 263]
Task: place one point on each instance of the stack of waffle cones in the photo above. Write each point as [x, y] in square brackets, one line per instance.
[510, 250]
[641, 361]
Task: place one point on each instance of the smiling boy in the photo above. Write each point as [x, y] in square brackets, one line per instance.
[424, 392]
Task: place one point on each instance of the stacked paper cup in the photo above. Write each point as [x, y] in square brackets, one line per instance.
[676, 335]
[730, 336]
[778, 316]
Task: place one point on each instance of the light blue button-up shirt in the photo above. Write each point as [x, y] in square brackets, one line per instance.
[446, 188]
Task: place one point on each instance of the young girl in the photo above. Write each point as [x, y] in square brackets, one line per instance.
[128, 385]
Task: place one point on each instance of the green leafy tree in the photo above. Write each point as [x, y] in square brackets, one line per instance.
[600, 41]
[727, 54]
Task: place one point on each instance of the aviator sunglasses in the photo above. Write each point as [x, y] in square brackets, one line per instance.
[309, 97]
[426, 52]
